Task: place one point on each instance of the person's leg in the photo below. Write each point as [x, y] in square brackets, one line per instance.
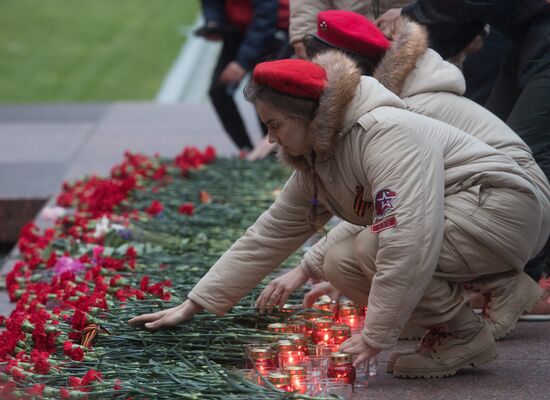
[342, 270]
[456, 338]
[492, 244]
[481, 69]
[222, 96]
[530, 119]
[505, 92]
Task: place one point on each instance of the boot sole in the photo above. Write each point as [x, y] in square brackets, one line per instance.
[393, 359]
[531, 302]
[475, 360]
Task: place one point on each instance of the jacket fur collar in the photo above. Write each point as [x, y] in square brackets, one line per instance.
[409, 67]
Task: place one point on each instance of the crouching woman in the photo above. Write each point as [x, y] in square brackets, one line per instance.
[437, 207]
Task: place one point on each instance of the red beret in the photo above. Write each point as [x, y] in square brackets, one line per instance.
[352, 32]
[298, 78]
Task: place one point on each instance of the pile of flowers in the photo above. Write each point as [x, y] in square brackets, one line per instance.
[124, 245]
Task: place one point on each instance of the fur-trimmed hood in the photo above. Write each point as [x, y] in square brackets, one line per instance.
[346, 98]
[409, 67]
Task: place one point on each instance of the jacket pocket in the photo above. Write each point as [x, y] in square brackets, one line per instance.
[462, 258]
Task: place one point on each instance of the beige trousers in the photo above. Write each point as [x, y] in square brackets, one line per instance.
[467, 255]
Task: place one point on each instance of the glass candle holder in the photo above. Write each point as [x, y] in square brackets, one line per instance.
[286, 345]
[340, 389]
[280, 381]
[300, 342]
[341, 368]
[338, 335]
[298, 374]
[298, 326]
[309, 317]
[313, 387]
[263, 359]
[317, 367]
[351, 315]
[278, 328]
[321, 330]
[287, 358]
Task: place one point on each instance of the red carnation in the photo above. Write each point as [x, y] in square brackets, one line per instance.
[186, 209]
[155, 208]
[77, 354]
[91, 376]
[37, 389]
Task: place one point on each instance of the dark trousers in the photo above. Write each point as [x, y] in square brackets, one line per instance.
[222, 95]
[481, 69]
[527, 111]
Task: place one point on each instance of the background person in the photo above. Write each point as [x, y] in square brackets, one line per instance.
[429, 86]
[521, 96]
[251, 31]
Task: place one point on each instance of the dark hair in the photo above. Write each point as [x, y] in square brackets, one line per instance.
[315, 46]
[296, 107]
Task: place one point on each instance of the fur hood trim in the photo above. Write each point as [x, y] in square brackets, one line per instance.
[326, 128]
[411, 42]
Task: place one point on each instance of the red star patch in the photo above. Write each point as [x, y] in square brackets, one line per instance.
[384, 202]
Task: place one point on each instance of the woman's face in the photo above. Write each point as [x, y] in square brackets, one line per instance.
[289, 132]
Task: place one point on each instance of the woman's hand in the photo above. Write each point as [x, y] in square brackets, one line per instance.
[168, 318]
[279, 289]
[357, 346]
[232, 74]
[320, 289]
[261, 150]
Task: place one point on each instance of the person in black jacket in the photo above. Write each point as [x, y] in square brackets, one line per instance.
[247, 28]
[521, 96]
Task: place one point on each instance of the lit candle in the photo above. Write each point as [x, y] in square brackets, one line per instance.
[262, 358]
[309, 317]
[280, 381]
[321, 330]
[339, 334]
[288, 353]
[298, 326]
[278, 328]
[297, 377]
[351, 315]
[300, 342]
[341, 368]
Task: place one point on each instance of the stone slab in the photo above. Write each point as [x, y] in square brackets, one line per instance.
[521, 371]
[42, 142]
[147, 128]
[56, 113]
[30, 180]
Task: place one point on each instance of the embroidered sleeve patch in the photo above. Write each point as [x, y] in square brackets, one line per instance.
[383, 203]
[387, 223]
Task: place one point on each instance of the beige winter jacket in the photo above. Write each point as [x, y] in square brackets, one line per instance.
[303, 13]
[430, 86]
[364, 138]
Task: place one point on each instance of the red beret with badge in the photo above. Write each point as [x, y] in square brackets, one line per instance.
[351, 32]
[294, 77]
